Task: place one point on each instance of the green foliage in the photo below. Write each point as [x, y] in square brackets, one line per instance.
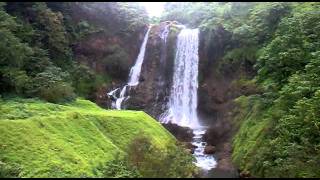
[275, 45]
[119, 168]
[37, 38]
[116, 63]
[123, 18]
[264, 18]
[9, 171]
[185, 13]
[77, 139]
[52, 33]
[238, 57]
[282, 139]
[84, 80]
[39, 57]
[12, 76]
[49, 85]
[83, 29]
[133, 14]
[26, 68]
[290, 50]
[154, 162]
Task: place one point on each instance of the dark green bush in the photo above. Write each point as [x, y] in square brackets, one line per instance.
[153, 162]
[117, 168]
[117, 62]
[84, 80]
[9, 171]
[50, 85]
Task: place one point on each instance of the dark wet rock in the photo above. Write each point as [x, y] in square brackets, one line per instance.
[209, 149]
[112, 97]
[220, 173]
[151, 95]
[189, 146]
[216, 135]
[183, 134]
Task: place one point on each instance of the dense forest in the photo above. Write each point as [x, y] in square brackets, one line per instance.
[259, 80]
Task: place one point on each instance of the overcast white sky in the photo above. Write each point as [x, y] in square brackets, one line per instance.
[153, 8]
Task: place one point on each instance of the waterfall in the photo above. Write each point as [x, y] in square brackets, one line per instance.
[134, 76]
[136, 69]
[182, 105]
[160, 81]
[165, 33]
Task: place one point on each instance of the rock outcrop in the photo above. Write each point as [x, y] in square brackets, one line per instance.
[209, 149]
[183, 134]
[151, 95]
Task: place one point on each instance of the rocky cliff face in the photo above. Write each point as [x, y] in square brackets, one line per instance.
[216, 89]
[108, 51]
[151, 95]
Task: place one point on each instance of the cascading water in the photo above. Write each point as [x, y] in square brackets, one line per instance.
[136, 69]
[134, 76]
[161, 70]
[165, 33]
[204, 161]
[182, 105]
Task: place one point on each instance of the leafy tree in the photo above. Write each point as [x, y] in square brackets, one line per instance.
[50, 85]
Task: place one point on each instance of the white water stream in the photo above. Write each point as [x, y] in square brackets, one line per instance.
[134, 76]
[182, 105]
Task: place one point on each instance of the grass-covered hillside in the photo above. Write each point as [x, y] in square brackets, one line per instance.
[71, 140]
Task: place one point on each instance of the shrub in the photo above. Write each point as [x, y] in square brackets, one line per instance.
[119, 168]
[9, 171]
[151, 161]
[58, 92]
[50, 86]
[84, 80]
[117, 62]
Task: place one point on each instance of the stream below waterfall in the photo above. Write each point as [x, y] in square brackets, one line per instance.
[204, 161]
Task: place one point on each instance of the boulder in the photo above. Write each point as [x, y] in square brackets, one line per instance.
[209, 149]
[183, 134]
[189, 145]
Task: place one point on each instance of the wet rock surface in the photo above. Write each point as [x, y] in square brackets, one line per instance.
[151, 95]
[183, 134]
[209, 149]
[215, 92]
[189, 146]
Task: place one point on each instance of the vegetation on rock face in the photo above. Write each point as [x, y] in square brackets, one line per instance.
[276, 45]
[54, 52]
[79, 139]
[47, 56]
[154, 162]
[40, 38]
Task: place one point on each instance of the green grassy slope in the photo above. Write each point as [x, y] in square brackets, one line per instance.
[71, 140]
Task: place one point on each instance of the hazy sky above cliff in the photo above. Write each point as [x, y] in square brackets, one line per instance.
[153, 8]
